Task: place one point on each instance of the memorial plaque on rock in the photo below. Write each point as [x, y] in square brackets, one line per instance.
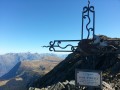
[88, 78]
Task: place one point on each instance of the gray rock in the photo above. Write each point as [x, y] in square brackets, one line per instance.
[72, 82]
[37, 89]
[59, 86]
[107, 86]
[31, 88]
[66, 82]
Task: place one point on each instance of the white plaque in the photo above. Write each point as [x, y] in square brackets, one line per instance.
[88, 78]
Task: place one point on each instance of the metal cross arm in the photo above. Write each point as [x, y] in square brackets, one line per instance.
[56, 46]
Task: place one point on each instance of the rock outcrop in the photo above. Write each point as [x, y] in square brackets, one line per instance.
[108, 63]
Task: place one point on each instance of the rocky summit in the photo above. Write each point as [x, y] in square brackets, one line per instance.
[70, 85]
[62, 77]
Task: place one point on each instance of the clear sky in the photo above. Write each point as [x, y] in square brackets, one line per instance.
[26, 25]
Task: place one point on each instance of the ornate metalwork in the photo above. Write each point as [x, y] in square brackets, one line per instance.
[86, 14]
[57, 43]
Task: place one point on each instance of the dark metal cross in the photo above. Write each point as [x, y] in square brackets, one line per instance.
[87, 10]
[87, 13]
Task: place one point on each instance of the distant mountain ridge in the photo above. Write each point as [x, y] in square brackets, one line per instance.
[27, 71]
[9, 60]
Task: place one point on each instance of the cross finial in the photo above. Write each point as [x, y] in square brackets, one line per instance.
[88, 1]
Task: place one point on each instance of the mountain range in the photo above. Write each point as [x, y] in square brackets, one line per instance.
[9, 60]
[27, 71]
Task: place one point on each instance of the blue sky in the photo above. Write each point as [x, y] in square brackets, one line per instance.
[26, 25]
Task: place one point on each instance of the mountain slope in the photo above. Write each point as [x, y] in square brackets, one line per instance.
[12, 73]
